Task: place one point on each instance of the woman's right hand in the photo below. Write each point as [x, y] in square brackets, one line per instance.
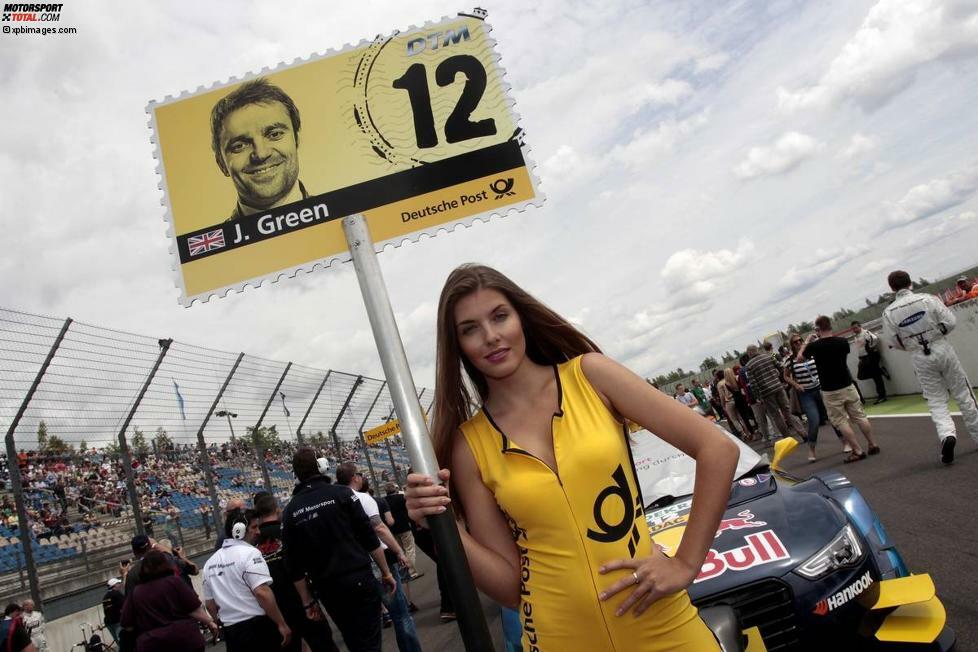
[424, 497]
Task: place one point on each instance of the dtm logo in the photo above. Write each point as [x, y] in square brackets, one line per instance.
[917, 316]
[744, 520]
[845, 595]
[762, 548]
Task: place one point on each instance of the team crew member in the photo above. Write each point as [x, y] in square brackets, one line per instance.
[534, 468]
[868, 351]
[919, 324]
[405, 631]
[330, 541]
[237, 591]
[315, 632]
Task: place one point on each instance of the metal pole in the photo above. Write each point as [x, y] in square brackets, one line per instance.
[346, 404]
[298, 431]
[427, 412]
[14, 468]
[363, 442]
[259, 449]
[205, 459]
[228, 415]
[137, 512]
[472, 622]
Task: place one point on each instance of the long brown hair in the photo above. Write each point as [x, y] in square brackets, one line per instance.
[550, 339]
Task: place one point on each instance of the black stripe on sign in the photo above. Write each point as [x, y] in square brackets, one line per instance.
[362, 197]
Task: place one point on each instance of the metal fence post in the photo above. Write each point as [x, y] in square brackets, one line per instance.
[205, 459]
[137, 512]
[390, 452]
[363, 442]
[346, 404]
[298, 431]
[256, 439]
[14, 469]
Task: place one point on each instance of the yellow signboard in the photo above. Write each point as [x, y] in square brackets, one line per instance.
[415, 130]
[382, 432]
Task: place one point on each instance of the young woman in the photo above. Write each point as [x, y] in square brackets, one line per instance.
[554, 521]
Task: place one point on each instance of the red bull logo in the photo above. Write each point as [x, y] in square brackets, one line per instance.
[743, 521]
[760, 548]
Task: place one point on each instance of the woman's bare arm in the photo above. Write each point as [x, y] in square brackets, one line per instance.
[488, 539]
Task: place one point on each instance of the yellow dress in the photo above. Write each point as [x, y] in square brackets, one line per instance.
[567, 524]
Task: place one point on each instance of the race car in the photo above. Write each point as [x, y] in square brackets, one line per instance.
[805, 564]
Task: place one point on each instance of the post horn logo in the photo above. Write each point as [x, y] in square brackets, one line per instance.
[502, 187]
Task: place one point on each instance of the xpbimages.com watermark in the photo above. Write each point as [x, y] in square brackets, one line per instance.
[25, 17]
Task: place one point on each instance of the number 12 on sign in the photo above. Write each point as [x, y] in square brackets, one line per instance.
[458, 126]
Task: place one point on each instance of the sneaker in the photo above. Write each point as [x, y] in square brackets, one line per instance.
[947, 449]
[416, 575]
[387, 621]
[846, 448]
[447, 616]
[879, 400]
[811, 457]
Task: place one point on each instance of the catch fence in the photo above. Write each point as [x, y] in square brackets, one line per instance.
[109, 434]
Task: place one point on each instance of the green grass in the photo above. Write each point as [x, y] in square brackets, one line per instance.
[907, 404]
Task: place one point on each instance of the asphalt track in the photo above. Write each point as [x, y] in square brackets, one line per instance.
[930, 510]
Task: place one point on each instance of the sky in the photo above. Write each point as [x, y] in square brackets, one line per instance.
[713, 170]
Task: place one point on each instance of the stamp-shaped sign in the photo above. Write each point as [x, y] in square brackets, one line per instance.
[415, 130]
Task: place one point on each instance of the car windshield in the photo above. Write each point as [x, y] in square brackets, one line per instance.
[663, 470]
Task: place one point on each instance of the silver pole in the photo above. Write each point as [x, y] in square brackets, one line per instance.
[451, 555]
[413, 427]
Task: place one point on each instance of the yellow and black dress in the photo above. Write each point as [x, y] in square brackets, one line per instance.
[567, 524]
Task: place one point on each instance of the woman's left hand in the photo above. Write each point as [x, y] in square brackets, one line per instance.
[651, 578]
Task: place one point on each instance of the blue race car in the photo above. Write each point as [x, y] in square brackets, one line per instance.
[804, 564]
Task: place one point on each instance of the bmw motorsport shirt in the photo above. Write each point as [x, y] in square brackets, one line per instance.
[230, 577]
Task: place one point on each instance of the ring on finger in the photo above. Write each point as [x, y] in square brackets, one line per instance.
[635, 575]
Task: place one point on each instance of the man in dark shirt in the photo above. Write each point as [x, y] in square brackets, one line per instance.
[316, 633]
[401, 528]
[14, 637]
[112, 607]
[330, 540]
[838, 391]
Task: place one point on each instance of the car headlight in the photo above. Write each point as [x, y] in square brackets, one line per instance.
[842, 552]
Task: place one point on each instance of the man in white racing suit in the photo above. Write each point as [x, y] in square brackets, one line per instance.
[919, 324]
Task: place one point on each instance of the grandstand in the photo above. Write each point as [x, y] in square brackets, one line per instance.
[98, 386]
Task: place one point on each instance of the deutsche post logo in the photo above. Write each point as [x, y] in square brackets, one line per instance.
[502, 187]
[611, 532]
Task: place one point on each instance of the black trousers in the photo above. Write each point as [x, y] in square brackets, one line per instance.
[424, 541]
[317, 635]
[258, 634]
[353, 602]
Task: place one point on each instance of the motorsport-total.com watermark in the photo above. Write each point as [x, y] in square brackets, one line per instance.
[26, 15]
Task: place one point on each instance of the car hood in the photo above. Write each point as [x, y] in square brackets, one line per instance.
[769, 528]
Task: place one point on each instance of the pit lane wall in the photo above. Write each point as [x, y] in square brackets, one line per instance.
[902, 380]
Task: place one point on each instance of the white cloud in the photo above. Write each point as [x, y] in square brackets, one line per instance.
[932, 197]
[711, 62]
[691, 276]
[874, 266]
[666, 93]
[648, 145]
[896, 39]
[784, 155]
[948, 226]
[858, 145]
[822, 264]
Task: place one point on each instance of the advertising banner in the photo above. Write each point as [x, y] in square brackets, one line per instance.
[382, 432]
[415, 130]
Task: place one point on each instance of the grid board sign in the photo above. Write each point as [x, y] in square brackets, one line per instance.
[415, 130]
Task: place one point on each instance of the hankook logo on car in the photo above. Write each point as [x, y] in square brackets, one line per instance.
[845, 595]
